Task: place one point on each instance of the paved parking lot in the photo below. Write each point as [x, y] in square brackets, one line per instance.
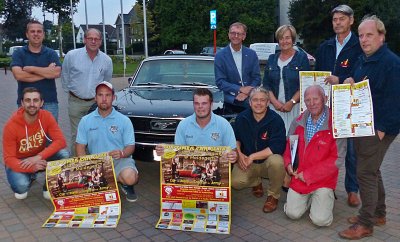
[22, 220]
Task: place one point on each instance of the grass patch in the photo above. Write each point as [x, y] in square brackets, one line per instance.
[118, 68]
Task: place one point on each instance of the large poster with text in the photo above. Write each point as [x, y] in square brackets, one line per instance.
[195, 189]
[352, 109]
[84, 192]
[309, 78]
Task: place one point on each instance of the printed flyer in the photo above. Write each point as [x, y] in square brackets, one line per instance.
[84, 192]
[195, 189]
[309, 78]
[352, 110]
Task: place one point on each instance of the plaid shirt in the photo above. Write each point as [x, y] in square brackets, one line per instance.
[311, 128]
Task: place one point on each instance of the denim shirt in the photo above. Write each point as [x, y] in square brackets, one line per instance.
[290, 74]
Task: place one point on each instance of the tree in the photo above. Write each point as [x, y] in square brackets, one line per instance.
[312, 19]
[180, 21]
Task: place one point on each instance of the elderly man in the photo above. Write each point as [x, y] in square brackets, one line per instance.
[260, 140]
[318, 156]
[27, 145]
[204, 127]
[107, 130]
[382, 68]
[338, 55]
[36, 65]
[237, 70]
[82, 70]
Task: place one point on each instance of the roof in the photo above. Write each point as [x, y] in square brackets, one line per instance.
[110, 30]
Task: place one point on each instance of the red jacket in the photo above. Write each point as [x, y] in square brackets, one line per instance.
[22, 140]
[319, 159]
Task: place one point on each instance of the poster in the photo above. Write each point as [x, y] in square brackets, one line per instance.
[309, 78]
[195, 189]
[352, 110]
[84, 192]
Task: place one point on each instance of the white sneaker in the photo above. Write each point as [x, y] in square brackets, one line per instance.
[21, 196]
[46, 195]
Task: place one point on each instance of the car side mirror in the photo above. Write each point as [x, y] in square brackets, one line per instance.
[130, 79]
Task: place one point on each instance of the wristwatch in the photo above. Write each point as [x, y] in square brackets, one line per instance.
[293, 101]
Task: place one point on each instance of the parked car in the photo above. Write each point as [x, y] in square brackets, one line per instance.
[58, 53]
[264, 50]
[12, 49]
[209, 51]
[160, 95]
[174, 52]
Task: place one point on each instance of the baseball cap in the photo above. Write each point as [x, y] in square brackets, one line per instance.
[343, 8]
[107, 84]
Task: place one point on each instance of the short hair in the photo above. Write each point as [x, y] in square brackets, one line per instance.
[320, 90]
[203, 92]
[256, 90]
[380, 26]
[239, 24]
[343, 8]
[92, 29]
[33, 21]
[282, 29]
[30, 90]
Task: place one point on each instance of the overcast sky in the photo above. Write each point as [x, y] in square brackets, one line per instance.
[111, 10]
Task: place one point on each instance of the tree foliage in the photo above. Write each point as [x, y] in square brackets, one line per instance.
[181, 21]
[312, 19]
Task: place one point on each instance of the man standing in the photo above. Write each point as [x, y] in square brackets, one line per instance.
[319, 156]
[36, 65]
[26, 143]
[204, 127]
[107, 130]
[339, 55]
[382, 68]
[82, 70]
[237, 70]
[260, 140]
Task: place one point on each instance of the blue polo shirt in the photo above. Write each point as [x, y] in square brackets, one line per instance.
[24, 57]
[218, 132]
[113, 132]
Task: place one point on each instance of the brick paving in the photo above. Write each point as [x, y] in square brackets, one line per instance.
[22, 220]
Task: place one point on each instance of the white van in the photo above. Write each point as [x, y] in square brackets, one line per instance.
[12, 49]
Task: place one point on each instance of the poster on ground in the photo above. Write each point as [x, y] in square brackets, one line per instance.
[352, 110]
[84, 192]
[309, 78]
[195, 189]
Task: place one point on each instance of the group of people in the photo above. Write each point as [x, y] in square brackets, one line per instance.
[268, 114]
[32, 136]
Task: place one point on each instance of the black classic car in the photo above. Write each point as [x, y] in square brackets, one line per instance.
[160, 95]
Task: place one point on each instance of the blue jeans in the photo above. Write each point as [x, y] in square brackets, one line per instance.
[21, 182]
[350, 180]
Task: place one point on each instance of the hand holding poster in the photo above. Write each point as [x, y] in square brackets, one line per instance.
[195, 189]
[309, 78]
[84, 192]
[352, 110]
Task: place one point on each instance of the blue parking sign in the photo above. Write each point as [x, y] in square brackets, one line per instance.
[213, 19]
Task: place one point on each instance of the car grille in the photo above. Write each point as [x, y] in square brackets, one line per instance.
[153, 130]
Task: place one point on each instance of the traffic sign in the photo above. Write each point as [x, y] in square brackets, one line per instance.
[213, 19]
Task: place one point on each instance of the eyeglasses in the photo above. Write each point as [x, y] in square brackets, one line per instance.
[236, 34]
[93, 39]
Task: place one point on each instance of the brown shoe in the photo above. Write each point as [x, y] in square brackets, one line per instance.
[378, 221]
[258, 190]
[356, 231]
[353, 199]
[270, 205]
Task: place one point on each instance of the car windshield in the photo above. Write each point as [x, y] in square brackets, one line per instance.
[172, 72]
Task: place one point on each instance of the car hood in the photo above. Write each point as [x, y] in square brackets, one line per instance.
[162, 102]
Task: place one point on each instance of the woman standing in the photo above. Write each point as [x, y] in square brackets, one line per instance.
[281, 76]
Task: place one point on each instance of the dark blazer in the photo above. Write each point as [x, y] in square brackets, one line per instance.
[227, 77]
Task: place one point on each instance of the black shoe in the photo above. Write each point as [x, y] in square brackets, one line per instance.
[129, 192]
[285, 189]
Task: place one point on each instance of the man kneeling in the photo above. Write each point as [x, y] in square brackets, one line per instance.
[315, 170]
[107, 130]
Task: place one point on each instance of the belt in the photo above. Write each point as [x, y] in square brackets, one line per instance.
[83, 99]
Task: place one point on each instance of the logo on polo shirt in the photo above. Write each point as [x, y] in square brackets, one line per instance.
[264, 136]
[214, 136]
[114, 129]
